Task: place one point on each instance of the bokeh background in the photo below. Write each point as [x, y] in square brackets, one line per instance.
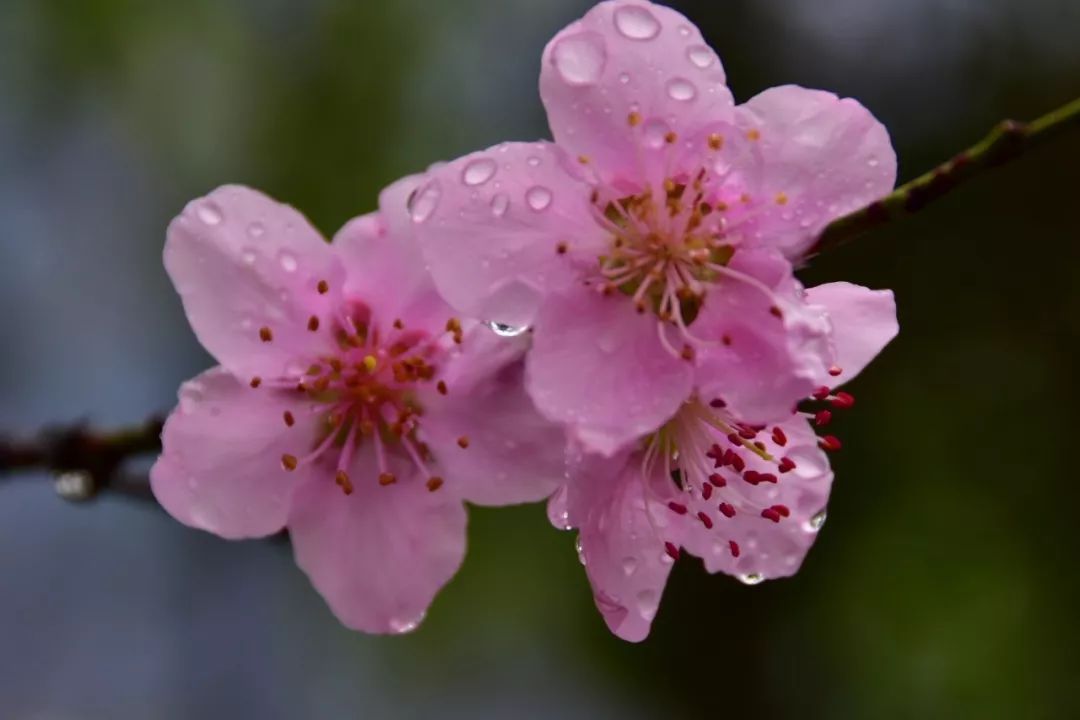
[945, 583]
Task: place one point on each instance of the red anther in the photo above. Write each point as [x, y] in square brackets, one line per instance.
[706, 492]
[842, 400]
[677, 508]
[779, 437]
[726, 510]
[776, 312]
[717, 480]
[734, 439]
[718, 404]
[705, 520]
[747, 433]
[783, 510]
[734, 548]
[830, 443]
[824, 417]
[752, 476]
[737, 462]
[718, 456]
[822, 393]
[786, 465]
[671, 550]
[771, 514]
[767, 478]
[836, 371]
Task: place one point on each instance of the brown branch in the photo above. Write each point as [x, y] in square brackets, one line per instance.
[1006, 142]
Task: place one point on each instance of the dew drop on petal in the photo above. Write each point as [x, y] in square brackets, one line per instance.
[423, 203]
[580, 59]
[507, 331]
[500, 204]
[405, 625]
[701, 56]
[681, 89]
[629, 566]
[479, 171]
[256, 230]
[580, 550]
[248, 256]
[636, 22]
[751, 578]
[873, 162]
[656, 133]
[287, 261]
[624, 78]
[538, 198]
[817, 521]
[648, 602]
[209, 212]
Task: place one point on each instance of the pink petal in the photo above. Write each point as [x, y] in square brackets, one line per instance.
[490, 225]
[598, 367]
[760, 364]
[863, 320]
[220, 468]
[513, 455]
[627, 58]
[247, 269]
[384, 266]
[619, 544]
[380, 555]
[817, 158]
[768, 549]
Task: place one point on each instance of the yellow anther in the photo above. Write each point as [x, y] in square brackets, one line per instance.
[781, 198]
[753, 135]
[634, 119]
[716, 141]
[370, 363]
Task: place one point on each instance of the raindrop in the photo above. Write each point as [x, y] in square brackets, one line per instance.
[500, 204]
[209, 212]
[624, 78]
[684, 30]
[288, 261]
[648, 603]
[405, 625]
[580, 550]
[656, 133]
[533, 161]
[580, 59]
[636, 22]
[423, 202]
[873, 162]
[817, 521]
[751, 578]
[256, 229]
[629, 566]
[248, 256]
[681, 89]
[701, 56]
[507, 331]
[478, 172]
[538, 198]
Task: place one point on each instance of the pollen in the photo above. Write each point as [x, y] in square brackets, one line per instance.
[463, 442]
[434, 484]
[562, 248]
[387, 479]
[323, 287]
[716, 141]
[289, 462]
[313, 323]
[255, 382]
[289, 419]
[781, 198]
[671, 138]
[341, 479]
[265, 334]
[634, 119]
[441, 387]
[753, 135]
[370, 363]
[584, 159]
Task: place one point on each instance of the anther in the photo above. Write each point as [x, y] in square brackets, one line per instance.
[705, 520]
[830, 443]
[441, 387]
[727, 510]
[842, 400]
[776, 312]
[822, 393]
[779, 437]
[716, 141]
[463, 442]
[265, 334]
[836, 371]
[343, 481]
[716, 480]
[583, 159]
[677, 508]
[706, 492]
[718, 404]
[753, 135]
[370, 362]
[634, 119]
[822, 418]
[734, 546]
[289, 462]
[399, 324]
[688, 353]
[771, 514]
[671, 138]
[562, 248]
[313, 323]
[434, 484]
[786, 465]
[289, 419]
[671, 550]
[256, 382]
[323, 287]
[387, 479]
[781, 198]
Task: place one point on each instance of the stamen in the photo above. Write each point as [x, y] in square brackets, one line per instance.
[265, 334]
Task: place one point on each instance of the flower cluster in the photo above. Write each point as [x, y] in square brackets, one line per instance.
[610, 320]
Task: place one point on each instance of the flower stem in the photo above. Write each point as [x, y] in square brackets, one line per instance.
[1008, 140]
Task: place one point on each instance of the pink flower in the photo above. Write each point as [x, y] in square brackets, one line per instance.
[349, 406]
[650, 247]
[651, 250]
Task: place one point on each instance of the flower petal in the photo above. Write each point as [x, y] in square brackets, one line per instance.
[616, 82]
[863, 320]
[380, 555]
[247, 269]
[624, 557]
[512, 454]
[489, 225]
[768, 549]
[768, 350]
[220, 468]
[597, 366]
[814, 157]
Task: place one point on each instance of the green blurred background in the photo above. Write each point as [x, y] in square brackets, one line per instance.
[945, 583]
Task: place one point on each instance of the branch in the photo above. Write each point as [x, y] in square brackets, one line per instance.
[84, 462]
[1007, 141]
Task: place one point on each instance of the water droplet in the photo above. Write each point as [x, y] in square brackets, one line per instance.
[538, 198]
[701, 56]
[681, 89]
[504, 330]
[190, 397]
[405, 625]
[648, 603]
[500, 204]
[629, 566]
[248, 256]
[580, 550]
[684, 30]
[209, 212]
[817, 521]
[580, 59]
[423, 202]
[533, 161]
[751, 578]
[636, 22]
[873, 161]
[288, 261]
[256, 230]
[656, 133]
[624, 78]
[478, 172]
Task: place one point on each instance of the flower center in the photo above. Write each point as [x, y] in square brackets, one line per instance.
[366, 391]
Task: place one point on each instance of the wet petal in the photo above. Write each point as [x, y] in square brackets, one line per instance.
[863, 322]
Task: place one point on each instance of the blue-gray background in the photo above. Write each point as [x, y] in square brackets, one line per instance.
[945, 583]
